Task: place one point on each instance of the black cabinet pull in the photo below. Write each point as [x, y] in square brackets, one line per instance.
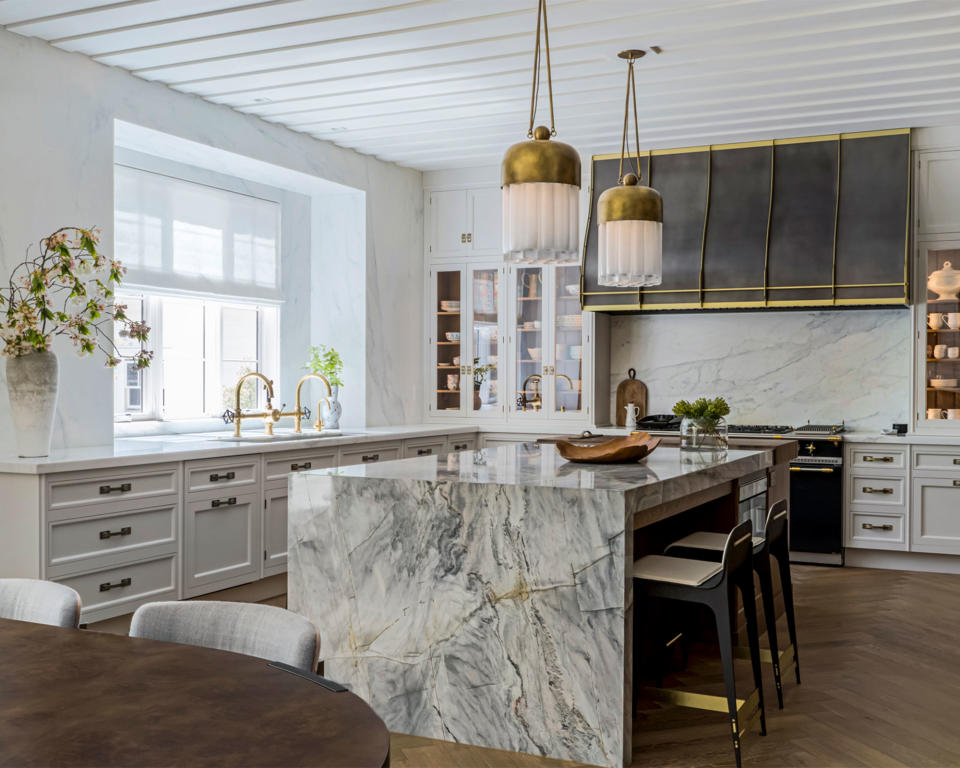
[125, 531]
[956, 461]
[297, 467]
[424, 451]
[215, 477]
[227, 502]
[122, 488]
[462, 447]
[370, 457]
[107, 586]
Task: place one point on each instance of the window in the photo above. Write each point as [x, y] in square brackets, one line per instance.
[201, 347]
[204, 273]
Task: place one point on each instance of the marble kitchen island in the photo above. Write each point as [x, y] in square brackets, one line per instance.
[485, 597]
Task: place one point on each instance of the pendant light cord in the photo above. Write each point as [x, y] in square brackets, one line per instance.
[535, 91]
[624, 142]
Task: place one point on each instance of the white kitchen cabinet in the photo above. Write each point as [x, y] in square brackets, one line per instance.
[876, 482]
[938, 190]
[274, 531]
[370, 453]
[935, 515]
[221, 542]
[462, 223]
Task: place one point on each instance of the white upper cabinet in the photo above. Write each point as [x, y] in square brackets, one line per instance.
[462, 222]
[938, 193]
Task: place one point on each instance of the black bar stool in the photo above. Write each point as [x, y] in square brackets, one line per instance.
[713, 585]
[709, 546]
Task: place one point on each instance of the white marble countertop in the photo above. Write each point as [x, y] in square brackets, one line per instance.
[132, 451]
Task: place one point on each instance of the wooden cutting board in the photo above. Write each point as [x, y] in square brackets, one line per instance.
[630, 390]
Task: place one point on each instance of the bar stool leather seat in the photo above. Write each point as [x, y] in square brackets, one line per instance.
[676, 570]
[710, 541]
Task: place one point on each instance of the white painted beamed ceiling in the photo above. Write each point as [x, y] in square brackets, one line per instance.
[445, 83]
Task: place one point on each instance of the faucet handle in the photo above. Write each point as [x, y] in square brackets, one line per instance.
[228, 416]
[305, 412]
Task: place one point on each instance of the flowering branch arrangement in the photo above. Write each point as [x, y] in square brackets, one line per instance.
[66, 291]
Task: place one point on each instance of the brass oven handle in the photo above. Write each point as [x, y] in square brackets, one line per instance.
[226, 502]
[370, 457]
[125, 531]
[297, 467]
[872, 527]
[216, 477]
[868, 489]
[124, 582]
[424, 451]
[811, 469]
[122, 488]
[884, 458]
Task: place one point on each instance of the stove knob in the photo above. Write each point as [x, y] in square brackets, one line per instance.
[810, 447]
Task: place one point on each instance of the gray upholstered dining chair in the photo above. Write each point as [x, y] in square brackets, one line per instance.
[249, 628]
[41, 602]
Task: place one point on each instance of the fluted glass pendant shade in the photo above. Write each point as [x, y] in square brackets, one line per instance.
[540, 180]
[630, 226]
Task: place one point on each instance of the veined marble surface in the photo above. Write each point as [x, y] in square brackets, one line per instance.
[484, 597]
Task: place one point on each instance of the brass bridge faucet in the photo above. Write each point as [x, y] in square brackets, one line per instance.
[270, 416]
[299, 412]
[537, 401]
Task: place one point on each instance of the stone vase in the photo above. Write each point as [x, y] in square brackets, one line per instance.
[32, 386]
[333, 412]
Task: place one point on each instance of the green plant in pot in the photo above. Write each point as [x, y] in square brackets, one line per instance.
[327, 362]
[66, 291]
[480, 372]
[703, 426]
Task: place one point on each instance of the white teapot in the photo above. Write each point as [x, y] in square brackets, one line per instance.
[945, 282]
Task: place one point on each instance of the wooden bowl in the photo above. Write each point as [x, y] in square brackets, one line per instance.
[621, 450]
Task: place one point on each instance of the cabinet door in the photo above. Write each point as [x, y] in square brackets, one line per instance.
[567, 340]
[482, 386]
[448, 364]
[221, 543]
[274, 531]
[528, 340]
[938, 355]
[448, 223]
[935, 515]
[938, 189]
[486, 209]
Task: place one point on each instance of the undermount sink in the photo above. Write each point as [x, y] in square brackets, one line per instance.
[261, 437]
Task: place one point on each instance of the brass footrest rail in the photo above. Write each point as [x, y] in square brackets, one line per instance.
[787, 656]
[748, 710]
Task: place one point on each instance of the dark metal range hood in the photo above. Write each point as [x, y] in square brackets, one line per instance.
[817, 222]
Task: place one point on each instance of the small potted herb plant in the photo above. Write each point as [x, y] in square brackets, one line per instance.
[480, 372]
[327, 362]
[703, 427]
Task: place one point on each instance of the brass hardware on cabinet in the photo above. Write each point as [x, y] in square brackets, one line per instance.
[125, 531]
[216, 477]
[424, 451]
[469, 237]
[122, 488]
[868, 489]
[956, 461]
[872, 527]
[811, 469]
[463, 238]
[224, 502]
[124, 582]
[298, 467]
[370, 457]
[884, 458]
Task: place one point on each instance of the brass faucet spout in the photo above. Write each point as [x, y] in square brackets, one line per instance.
[269, 417]
[298, 411]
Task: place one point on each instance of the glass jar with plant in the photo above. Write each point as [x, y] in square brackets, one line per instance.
[67, 291]
[327, 362]
[703, 426]
[480, 373]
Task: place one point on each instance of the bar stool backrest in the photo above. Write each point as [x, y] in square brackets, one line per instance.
[775, 529]
[739, 549]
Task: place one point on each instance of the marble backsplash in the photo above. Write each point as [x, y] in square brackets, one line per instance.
[773, 367]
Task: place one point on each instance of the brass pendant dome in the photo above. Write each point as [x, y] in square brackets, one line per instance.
[630, 201]
[540, 160]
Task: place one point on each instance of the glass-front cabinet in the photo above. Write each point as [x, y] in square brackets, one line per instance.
[939, 322]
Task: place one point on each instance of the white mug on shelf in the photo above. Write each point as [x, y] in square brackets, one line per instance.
[953, 320]
[935, 413]
[953, 352]
[953, 413]
[633, 411]
[940, 351]
[935, 320]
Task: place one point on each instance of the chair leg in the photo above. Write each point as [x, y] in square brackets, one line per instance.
[753, 638]
[725, 638]
[762, 568]
[786, 584]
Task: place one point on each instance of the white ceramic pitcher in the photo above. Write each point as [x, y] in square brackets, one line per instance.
[633, 411]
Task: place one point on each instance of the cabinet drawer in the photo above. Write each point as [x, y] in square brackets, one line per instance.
[424, 447]
[876, 531]
[123, 586]
[127, 532]
[370, 454]
[221, 542]
[278, 465]
[221, 474]
[877, 457]
[877, 490]
[936, 459]
[74, 489]
[459, 443]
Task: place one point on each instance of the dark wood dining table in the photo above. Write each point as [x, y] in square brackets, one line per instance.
[71, 697]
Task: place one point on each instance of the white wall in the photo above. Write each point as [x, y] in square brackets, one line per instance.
[57, 113]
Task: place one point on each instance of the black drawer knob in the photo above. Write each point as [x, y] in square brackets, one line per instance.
[298, 467]
[424, 451]
[107, 586]
[217, 477]
[122, 488]
[371, 457]
[224, 502]
[125, 531]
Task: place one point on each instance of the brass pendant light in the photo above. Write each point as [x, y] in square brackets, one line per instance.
[540, 180]
[630, 247]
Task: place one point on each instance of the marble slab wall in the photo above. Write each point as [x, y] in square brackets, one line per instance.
[773, 367]
[485, 614]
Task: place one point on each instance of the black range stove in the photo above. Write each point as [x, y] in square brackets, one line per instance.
[667, 422]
